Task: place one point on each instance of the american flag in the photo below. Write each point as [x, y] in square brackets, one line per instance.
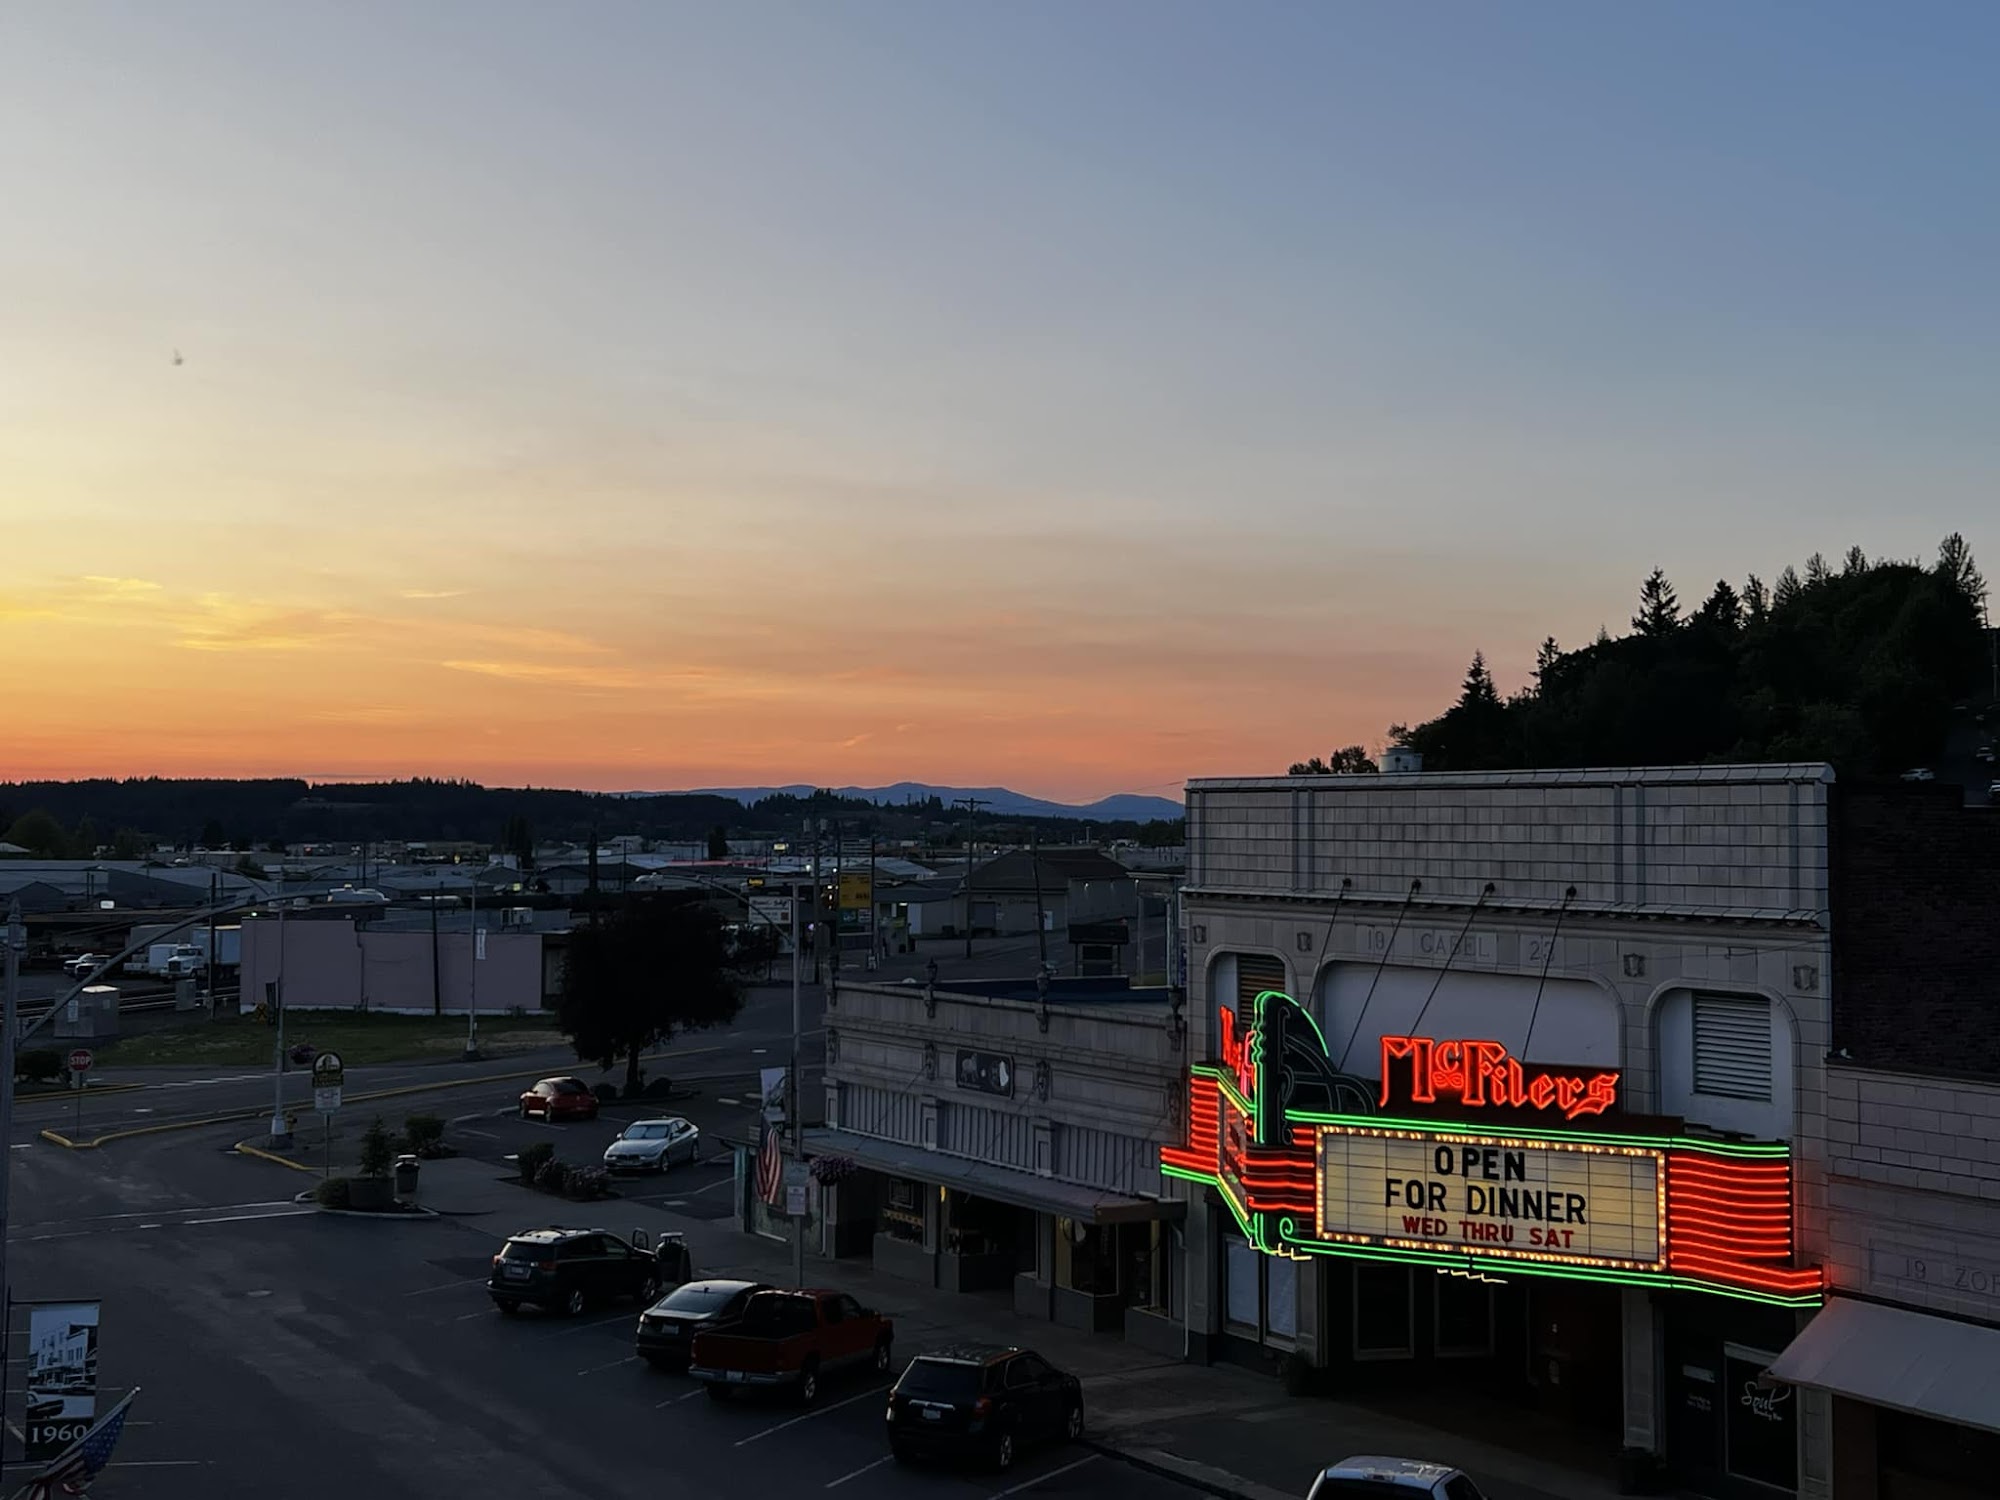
[71, 1472]
[770, 1168]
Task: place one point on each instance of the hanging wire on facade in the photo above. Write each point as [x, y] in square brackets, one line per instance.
[1548, 957]
[1387, 949]
[1417, 1026]
[1332, 917]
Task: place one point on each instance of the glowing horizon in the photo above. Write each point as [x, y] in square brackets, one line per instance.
[935, 395]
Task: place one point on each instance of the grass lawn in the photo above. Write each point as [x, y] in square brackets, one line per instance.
[358, 1036]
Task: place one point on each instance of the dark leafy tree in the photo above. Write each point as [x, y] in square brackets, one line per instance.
[212, 836]
[663, 964]
[517, 837]
[128, 843]
[1659, 608]
[1856, 561]
[718, 842]
[1349, 760]
[39, 833]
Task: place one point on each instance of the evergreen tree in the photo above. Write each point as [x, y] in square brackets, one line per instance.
[1546, 656]
[1816, 569]
[1788, 590]
[1659, 608]
[1722, 610]
[1756, 599]
[1856, 562]
[1956, 567]
[1478, 691]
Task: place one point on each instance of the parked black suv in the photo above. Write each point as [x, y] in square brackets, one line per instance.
[565, 1270]
[982, 1401]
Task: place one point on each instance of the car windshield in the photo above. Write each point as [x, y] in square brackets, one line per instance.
[695, 1300]
[568, 1086]
[651, 1131]
[778, 1316]
[935, 1380]
[526, 1250]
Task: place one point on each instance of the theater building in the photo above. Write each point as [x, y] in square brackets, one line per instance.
[1515, 1083]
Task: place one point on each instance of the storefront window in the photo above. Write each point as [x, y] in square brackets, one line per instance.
[1242, 1284]
[1145, 1262]
[902, 1212]
[1383, 1311]
[1281, 1298]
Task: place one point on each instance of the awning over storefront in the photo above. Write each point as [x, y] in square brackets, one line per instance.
[1909, 1361]
[984, 1180]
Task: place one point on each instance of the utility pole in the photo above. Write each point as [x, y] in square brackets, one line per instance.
[281, 1135]
[797, 1114]
[971, 806]
[437, 975]
[14, 940]
[1035, 864]
[815, 896]
[472, 965]
[214, 962]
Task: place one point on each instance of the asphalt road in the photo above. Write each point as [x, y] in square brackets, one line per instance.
[285, 1351]
[134, 1098]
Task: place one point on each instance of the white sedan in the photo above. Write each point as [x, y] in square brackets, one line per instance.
[652, 1146]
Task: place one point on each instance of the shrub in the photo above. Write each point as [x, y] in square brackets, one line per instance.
[552, 1176]
[584, 1183]
[606, 1091]
[377, 1149]
[332, 1193]
[425, 1134]
[40, 1065]
[533, 1159]
[660, 1088]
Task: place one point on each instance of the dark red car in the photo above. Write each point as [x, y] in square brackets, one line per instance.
[560, 1099]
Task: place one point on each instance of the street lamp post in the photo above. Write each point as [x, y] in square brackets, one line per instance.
[15, 940]
[472, 963]
[798, 1113]
[281, 1130]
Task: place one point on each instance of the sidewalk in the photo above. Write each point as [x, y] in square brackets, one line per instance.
[1227, 1430]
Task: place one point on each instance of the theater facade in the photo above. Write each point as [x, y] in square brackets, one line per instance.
[1508, 1084]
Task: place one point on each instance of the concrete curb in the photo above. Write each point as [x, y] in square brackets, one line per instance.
[231, 1116]
[1182, 1471]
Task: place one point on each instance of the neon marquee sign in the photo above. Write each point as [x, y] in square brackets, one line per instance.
[1308, 1163]
[1484, 1075]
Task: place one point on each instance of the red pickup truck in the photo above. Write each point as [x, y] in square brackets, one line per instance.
[791, 1340]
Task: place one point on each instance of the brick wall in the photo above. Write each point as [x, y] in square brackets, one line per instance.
[1916, 929]
[1912, 1191]
[1709, 838]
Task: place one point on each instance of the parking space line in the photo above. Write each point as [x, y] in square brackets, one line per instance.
[1028, 1484]
[447, 1286]
[677, 1400]
[631, 1317]
[865, 1468]
[630, 1359]
[818, 1411]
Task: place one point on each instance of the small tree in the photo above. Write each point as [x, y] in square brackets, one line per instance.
[718, 842]
[1348, 760]
[377, 1150]
[662, 965]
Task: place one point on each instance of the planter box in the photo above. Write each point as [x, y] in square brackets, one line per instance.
[905, 1260]
[1155, 1331]
[371, 1194]
[989, 1271]
[1090, 1313]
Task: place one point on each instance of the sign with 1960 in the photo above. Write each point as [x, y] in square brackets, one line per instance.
[62, 1376]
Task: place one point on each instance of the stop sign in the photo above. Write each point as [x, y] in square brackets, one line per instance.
[80, 1060]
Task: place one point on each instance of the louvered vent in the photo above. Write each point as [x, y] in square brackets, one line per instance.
[1732, 1047]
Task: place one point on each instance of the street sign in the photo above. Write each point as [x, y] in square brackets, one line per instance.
[62, 1377]
[327, 1075]
[795, 1201]
[773, 911]
[326, 1101]
[80, 1060]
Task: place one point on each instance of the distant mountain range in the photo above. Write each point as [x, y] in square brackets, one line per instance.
[1125, 807]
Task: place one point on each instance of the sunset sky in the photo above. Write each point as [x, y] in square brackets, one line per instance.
[1076, 395]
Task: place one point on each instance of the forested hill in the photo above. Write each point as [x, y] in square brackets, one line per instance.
[77, 818]
[1859, 665]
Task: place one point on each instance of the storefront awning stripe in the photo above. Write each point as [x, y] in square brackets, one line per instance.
[1907, 1361]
